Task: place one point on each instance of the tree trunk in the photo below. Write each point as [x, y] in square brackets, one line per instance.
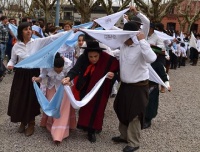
[47, 16]
[85, 17]
[189, 27]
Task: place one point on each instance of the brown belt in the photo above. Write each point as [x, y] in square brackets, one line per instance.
[141, 83]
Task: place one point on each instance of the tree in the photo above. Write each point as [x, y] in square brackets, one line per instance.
[107, 5]
[85, 7]
[45, 6]
[14, 8]
[156, 9]
[123, 4]
[188, 12]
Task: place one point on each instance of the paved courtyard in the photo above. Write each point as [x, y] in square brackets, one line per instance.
[175, 129]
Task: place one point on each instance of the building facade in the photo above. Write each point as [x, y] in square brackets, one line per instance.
[14, 11]
[171, 22]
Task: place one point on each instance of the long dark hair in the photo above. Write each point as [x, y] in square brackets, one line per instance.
[20, 30]
[58, 61]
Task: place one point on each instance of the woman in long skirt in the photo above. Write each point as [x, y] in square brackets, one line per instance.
[23, 105]
[59, 128]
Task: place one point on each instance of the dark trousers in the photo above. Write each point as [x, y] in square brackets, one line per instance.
[183, 61]
[174, 61]
[2, 68]
[8, 51]
[179, 59]
[152, 107]
[193, 53]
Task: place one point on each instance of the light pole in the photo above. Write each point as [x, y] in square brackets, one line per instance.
[57, 13]
[72, 7]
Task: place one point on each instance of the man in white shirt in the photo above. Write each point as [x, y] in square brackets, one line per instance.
[132, 97]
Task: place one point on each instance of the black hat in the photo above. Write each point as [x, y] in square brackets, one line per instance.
[186, 39]
[179, 39]
[93, 46]
[182, 44]
[152, 25]
[131, 26]
[157, 50]
[136, 20]
[159, 26]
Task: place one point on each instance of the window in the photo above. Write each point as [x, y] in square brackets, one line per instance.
[171, 26]
[67, 15]
[194, 28]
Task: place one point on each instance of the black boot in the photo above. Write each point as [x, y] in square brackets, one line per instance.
[21, 128]
[30, 129]
[194, 62]
[91, 137]
[147, 124]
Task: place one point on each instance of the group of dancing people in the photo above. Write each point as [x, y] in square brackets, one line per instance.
[137, 99]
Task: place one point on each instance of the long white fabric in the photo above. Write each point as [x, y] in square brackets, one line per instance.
[115, 38]
[78, 104]
[107, 22]
[112, 38]
[182, 37]
[52, 108]
[193, 41]
[163, 36]
[153, 76]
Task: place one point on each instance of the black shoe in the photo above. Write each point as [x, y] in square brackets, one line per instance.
[119, 140]
[92, 137]
[147, 125]
[130, 149]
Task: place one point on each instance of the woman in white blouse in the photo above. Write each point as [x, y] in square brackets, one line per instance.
[59, 128]
[23, 105]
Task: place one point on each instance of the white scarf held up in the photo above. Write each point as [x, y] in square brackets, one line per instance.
[107, 22]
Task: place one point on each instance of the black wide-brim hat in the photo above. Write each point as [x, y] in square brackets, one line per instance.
[93, 45]
[130, 26]
[136, 20]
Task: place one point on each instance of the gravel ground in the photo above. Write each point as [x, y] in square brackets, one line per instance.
[175, 129]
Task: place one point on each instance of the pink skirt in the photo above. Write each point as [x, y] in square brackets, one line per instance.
[59, 128]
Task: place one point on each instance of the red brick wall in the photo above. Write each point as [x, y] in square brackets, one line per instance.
[172, 18]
